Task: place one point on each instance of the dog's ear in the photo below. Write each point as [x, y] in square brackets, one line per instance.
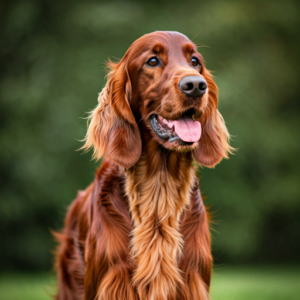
[113, 130]
[213, 145]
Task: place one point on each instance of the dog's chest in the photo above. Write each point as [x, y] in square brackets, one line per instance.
[156, 205]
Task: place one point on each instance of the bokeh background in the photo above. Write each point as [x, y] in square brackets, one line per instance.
[52, 67]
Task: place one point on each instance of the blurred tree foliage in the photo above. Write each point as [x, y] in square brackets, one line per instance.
[52, 68]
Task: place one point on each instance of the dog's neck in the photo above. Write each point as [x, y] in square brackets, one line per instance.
[158, 188]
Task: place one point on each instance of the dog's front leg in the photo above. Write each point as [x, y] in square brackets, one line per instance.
[197, 259]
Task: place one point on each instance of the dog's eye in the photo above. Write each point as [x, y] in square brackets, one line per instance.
[195, 62]
[153, 62]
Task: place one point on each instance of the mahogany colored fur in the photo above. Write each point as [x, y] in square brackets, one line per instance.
[140, 230]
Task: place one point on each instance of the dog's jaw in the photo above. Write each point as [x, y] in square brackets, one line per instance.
[172, 135]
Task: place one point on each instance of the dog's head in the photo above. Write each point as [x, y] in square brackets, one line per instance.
[162, 84]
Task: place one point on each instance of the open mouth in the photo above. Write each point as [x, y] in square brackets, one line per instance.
[183, 130]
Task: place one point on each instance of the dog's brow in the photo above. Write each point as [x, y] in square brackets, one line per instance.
[158, 48]
[189, 48]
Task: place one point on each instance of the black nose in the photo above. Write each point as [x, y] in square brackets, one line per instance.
[193, 86]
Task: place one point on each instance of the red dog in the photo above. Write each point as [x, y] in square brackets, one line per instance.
[140, 230]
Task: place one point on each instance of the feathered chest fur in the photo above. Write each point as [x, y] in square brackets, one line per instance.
[157, 199]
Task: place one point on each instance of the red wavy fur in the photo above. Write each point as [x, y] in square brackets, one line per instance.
[140, 230]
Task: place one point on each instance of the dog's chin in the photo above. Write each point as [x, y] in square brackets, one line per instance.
[167, 136]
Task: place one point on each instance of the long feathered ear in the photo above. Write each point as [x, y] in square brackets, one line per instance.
[214, 142]
[113, 131]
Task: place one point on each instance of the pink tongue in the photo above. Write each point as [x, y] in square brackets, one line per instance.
[186, 128]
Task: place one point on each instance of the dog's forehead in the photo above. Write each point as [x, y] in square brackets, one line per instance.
[180, 45]
[176, 41]
[171, 42]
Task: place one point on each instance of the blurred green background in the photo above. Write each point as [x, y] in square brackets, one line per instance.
[52, 67]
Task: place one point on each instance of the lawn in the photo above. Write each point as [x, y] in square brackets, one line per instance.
[228, 283]
[256, 283]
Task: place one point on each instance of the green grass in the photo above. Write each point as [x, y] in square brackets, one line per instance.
[229, 283]
[256, 283]
[26, 286]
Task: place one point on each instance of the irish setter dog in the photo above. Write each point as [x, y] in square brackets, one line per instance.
[140, 230]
